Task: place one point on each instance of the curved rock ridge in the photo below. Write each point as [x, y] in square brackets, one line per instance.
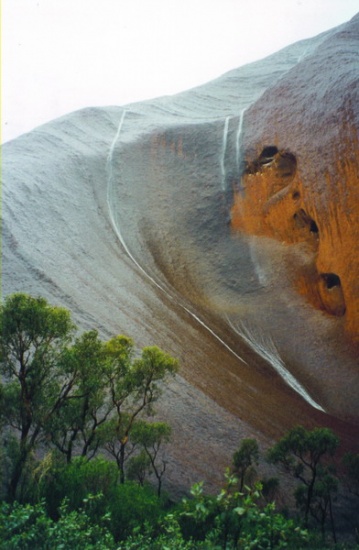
[300, 183]
[122, 214]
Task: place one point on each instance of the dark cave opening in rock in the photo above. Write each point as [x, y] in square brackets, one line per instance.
[268, 154]
[331, 280]
[284, 162]
[332, 295]
[313, 227]
[302, 219]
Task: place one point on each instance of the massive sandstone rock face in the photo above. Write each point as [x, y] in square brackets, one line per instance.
[300, 184]
[220, 224]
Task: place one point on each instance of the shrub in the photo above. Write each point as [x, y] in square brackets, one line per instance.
[76, 481]
[132, 506]
[26, 527]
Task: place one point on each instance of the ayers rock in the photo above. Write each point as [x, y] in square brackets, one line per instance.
[220, 224]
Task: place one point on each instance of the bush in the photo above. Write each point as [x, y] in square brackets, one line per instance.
[26, 527]
[196, 516]
[132, 506]
[75, 481]
[236, 520]
[93, 486]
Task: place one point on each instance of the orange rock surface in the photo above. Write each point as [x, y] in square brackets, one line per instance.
[300, 181]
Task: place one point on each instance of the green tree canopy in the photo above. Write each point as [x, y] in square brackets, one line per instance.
[151, 436]
[304, 453]
[133, 395]
[351, 463]
[77, 394]
[244, 459]
[33, 335]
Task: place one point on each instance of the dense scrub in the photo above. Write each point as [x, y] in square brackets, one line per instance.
[80, 444]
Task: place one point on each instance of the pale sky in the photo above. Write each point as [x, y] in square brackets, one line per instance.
[62, 55]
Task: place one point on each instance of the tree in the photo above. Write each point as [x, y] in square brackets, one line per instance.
[113, 390]
[236, 520]
[322, 499]
[33, 335]
[244, 460]
[133, 395]
[81, 420]
[303, 453]
[351, 463]
[138, 467]
[151, 436]
[78, 395]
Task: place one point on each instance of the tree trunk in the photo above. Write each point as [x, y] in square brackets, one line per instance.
[16, 475]
[159, 488]
[121, 463]
[309, 498]
[332, 520]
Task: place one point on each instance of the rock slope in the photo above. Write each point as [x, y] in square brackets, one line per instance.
[209, 223]
[301, 179]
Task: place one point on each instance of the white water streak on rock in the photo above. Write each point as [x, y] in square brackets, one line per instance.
[223, 154]
[113, 144]
[265, 347]
[238, 137]
[111, 210]
[258, 269]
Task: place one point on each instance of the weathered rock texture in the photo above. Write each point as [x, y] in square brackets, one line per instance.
[301, 180]
[121, 214]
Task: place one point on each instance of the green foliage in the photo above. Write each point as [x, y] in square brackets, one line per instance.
[26, 527]
[266, 529]
[236, 520]
[78, 396]
[304, 454]
[196, 516]
[33, 335]
[126, 506]
[94, 364]
[351, 463]
[131, 507]
[130, 517]
[150, 436]
[72, 397]
[270, 488]
[75, 481]
[139, 467]
[244, 460]
[300, 447]
[169, 537]
[133, 395]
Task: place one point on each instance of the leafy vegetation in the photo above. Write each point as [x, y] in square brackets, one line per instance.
[80, 444]
[28, 527]
[304, 454]
[244, 460]
[75, 395]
